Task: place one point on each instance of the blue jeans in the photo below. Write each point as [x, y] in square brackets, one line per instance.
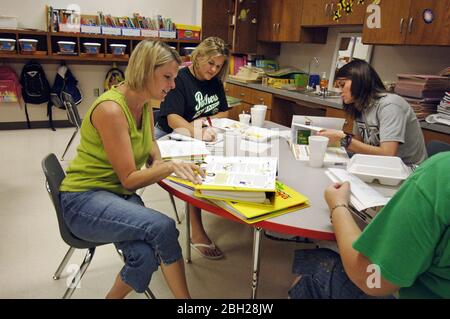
[323, 277]
[144, 235]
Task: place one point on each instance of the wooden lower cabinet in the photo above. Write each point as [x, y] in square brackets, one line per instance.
[435, 136]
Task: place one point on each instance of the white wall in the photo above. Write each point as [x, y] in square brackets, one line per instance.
[387, 60]
[31, 14]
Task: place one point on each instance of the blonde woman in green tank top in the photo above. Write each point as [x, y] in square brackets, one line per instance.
[98, 193]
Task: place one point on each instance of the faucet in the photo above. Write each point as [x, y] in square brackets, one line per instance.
[316, 62]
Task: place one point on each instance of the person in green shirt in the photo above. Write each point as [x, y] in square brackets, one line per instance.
[98, 194]
[405, 249]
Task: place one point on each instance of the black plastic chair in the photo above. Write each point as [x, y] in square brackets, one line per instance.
[54, 175]
[434, 147]
[73, 116]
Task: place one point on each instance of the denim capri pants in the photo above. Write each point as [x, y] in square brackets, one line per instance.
[323, 277]
[144, 235]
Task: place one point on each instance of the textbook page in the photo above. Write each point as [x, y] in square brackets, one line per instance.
[258, 173]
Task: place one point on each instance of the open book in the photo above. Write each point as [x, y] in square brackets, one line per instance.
[304, 126]
[286, 200]
[246, 179]
[364, 199]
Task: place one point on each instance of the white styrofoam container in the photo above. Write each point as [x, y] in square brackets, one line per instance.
[388, 170]
[118, 49]
[7, 45]
[131, 32]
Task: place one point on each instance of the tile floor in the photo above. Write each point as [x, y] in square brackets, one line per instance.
[31, 247]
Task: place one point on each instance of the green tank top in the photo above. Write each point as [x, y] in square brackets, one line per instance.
[91, 168]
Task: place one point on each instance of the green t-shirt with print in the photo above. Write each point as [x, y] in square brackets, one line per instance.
[410, 237]
[91, 168]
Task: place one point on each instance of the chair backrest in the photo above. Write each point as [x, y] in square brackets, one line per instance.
[54, 175]
[434, 147]
[72, 110]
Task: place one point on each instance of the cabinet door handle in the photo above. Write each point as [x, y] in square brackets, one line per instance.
[278, 28]
[242, 94]
[261, 100]
[331, 11]
[410, 24]
[401, 25]
[274, 27]
[326, 9]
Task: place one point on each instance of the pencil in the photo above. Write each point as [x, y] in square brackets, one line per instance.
[209, 121]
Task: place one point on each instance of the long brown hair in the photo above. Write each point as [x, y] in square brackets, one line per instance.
[366, 88]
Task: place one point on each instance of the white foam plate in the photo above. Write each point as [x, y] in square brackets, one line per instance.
[388, 170]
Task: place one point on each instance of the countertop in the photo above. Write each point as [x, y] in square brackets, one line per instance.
[331, 102]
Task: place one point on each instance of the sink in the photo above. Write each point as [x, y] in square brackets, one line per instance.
[312, 93]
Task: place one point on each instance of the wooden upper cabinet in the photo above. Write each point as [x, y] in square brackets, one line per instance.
[405, 22]
[331, 13]
[235, 21]
[246, 26]
[280, 21]
[216, 19]
[435, 33]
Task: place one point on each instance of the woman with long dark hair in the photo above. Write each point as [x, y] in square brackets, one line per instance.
[385, 124]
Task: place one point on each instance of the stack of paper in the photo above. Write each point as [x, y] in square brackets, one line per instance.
[333, 155]
[364, 199]
[443, 112]
[422, 85]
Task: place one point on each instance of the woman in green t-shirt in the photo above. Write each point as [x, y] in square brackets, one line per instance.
[405, 249]
[98, 194]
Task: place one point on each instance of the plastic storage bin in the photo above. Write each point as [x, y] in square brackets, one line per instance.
[7, 45]
[92, 47]
[388, 170]
[118, 49]
[66, 47]
[28, 45]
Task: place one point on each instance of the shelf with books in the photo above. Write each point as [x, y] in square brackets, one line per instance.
[47, 50]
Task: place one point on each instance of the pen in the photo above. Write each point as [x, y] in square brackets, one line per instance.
[209, 121]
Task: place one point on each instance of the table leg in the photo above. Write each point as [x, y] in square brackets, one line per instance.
[257, 231]
[188, 234]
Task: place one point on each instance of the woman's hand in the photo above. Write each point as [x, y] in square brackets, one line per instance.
[188, 171]
[337, 194]
[334, 136]
[209, 134]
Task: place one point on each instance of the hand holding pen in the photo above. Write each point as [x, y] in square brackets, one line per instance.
[209, 133]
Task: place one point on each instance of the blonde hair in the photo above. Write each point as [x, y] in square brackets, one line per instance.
[211, 47]
[145, 58]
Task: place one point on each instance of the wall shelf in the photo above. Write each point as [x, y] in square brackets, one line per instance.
[48, 47]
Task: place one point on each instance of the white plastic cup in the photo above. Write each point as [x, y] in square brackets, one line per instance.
[258, 115]
[317, 149]
[232, 143]
[244, 118]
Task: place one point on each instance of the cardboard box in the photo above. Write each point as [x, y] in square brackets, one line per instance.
[188, 32]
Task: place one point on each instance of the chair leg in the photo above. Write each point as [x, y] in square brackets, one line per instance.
[149, 294]
[63, 263]
[68, 144]
[188, 234]
[172, 200]
[79, 274]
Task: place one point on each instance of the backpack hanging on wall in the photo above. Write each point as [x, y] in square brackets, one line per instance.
[35, 88]
[65, 82]
[113, 77]
[10, 88]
